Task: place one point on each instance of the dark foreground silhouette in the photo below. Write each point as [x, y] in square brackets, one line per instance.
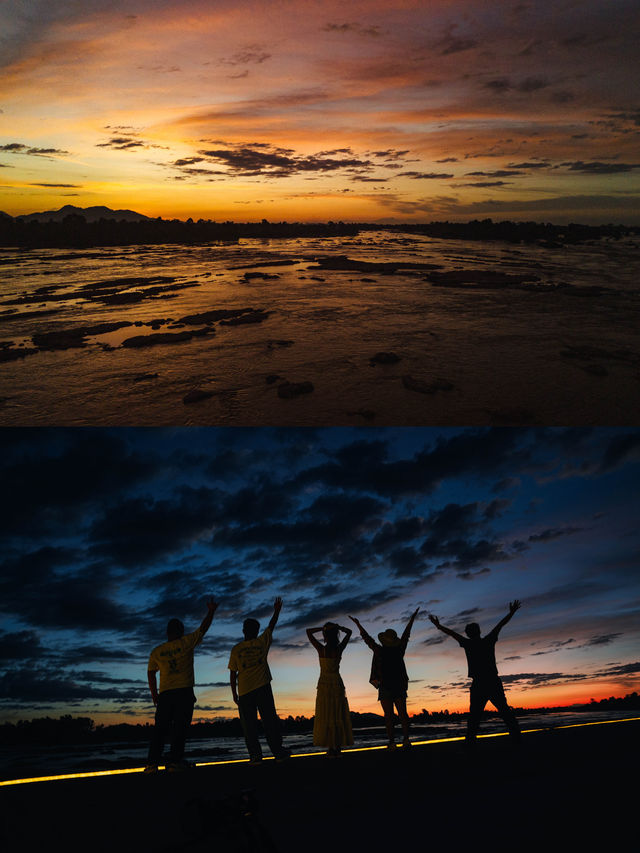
[174, 700]
[250, 679]
[567, 785]
[486, 686]
[332, 723]
[389, 675]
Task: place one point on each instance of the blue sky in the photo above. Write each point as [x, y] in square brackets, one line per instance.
[109, 533]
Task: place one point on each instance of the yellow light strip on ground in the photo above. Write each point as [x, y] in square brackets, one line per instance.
[597, 723]
[96, 773]
[91, 774]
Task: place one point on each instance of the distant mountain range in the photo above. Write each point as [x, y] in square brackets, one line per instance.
[91, 214]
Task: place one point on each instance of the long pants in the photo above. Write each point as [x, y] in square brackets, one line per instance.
[173, 718]
[489, 690]
[250, 704]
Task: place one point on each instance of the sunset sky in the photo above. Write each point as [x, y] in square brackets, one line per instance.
[109, 533]
[307, 110]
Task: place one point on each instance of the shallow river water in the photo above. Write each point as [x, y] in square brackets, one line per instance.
[522, 335]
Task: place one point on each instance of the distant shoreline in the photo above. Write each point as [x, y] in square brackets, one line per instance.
[75, 230]
[81, 730]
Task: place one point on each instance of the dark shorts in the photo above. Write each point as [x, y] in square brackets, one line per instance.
[391, 692]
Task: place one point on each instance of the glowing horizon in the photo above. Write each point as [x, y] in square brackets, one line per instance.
[304, 111]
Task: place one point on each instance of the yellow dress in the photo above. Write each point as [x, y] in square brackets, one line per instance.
[332, 724]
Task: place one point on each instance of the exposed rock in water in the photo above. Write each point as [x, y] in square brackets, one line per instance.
[283, 262]
[164, 338]
[273, 344]
[342, 262]
[5, 316]
[157, 322]
[384, 358]
[216, 314]
[143, 376]
[196, 395]
[9, 353]
[249, 276]
[129, 281]
[73, 338]
[254, 317]
[426, 387]
[288, 390]
[132, 296]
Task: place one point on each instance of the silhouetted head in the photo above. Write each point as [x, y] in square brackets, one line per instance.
[330, 633]
[250, 628]
[388, 638]
[175, 629]
[472, 630]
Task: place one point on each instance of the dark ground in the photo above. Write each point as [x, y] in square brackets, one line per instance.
[565, 789]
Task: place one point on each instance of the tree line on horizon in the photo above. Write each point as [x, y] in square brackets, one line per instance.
[83, 730]
[75, 231]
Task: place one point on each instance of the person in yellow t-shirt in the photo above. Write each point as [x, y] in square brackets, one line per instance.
[175, 700]
[250, 679]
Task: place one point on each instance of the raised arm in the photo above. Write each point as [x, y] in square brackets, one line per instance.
[212, 605]
[444, 629]
[407, 631]
[277, 607]
[347, 636]
[513, 606]
[368, 640]
[315, 643]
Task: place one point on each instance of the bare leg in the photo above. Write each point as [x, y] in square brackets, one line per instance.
[401, 705]
[479, 695]
[499, 700]
[387, 707]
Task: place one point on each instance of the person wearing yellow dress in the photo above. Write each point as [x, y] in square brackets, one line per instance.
[332, 724]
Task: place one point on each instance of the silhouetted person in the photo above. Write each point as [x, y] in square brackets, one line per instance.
[486, 685]
[250, 679]
[174, 704]
[332, 722]
[389, 675]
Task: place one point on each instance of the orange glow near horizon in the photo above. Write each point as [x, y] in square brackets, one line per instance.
[113, 108]
[560, 697]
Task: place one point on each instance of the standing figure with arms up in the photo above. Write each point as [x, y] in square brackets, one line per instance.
[175, 700]
[389, 676]
[486, 685]
[250, 679]
[332, 721]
